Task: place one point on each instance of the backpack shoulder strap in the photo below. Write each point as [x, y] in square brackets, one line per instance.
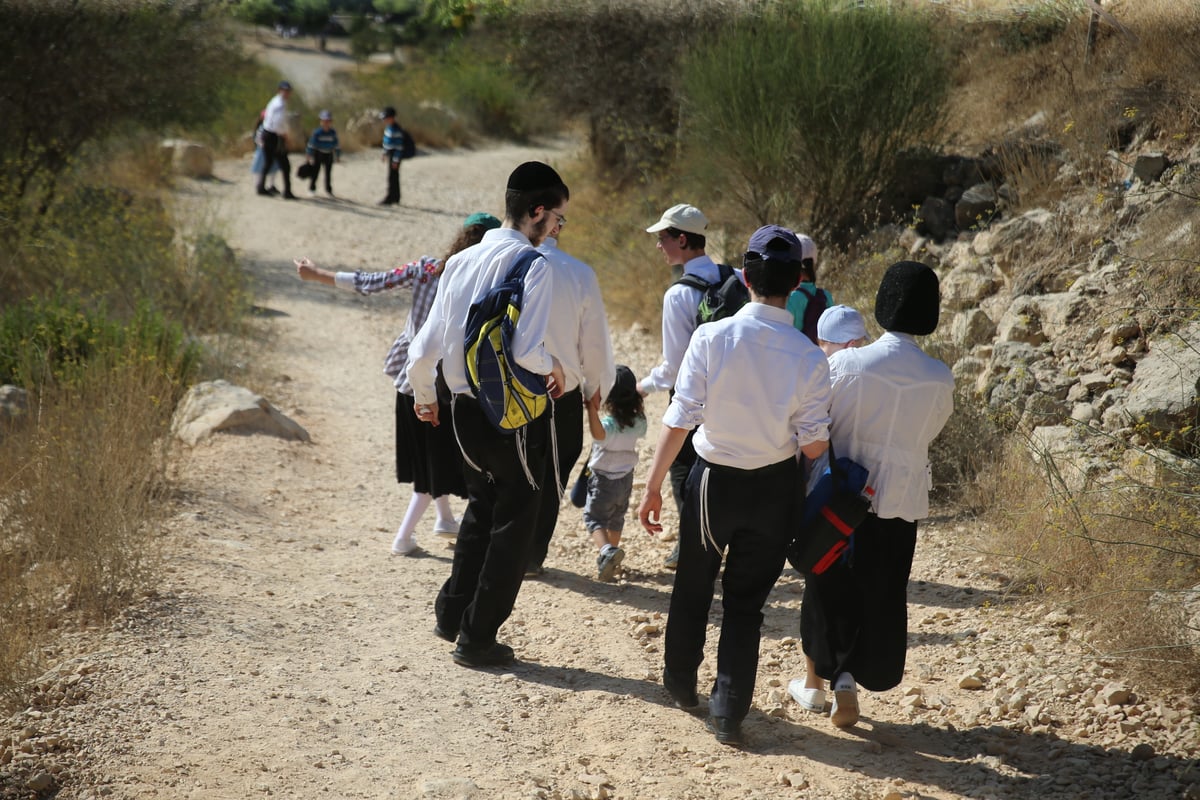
[694, 281]
[521, 265]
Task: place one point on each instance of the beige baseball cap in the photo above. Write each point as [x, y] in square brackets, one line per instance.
[682, 217]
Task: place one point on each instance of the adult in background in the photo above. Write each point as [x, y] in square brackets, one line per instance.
[889, 401]
[757, 393]
[274, 136]
[393, 154]
[681, 240]
[577, 335]
[503, 470]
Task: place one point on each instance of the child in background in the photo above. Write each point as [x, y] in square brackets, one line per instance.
[323, 149]
[260, 158]
[840, 327]
[427, 456]
[616, 430]
[806, 302]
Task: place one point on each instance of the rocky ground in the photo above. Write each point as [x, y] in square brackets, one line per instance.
[287, 654]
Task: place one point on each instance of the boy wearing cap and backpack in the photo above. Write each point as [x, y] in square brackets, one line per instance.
[681, 239]
[807, 302]
[504, 469]
[396, 143]
[756, 392]
[323, 149]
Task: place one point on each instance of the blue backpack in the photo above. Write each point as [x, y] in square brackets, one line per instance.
[510, 395]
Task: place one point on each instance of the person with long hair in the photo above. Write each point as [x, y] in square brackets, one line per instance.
[616, 428]
[426, 456]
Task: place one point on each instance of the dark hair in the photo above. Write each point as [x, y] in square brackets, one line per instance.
[624, 401]
[808, 270]
[520, 205]
[470, 235]
[691, 241]
[770, 278]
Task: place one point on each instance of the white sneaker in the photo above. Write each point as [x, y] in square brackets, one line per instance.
[809, 699]
[404, 547]
[447, 529]
[844, 713]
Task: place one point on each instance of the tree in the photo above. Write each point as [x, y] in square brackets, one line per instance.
[76, 71]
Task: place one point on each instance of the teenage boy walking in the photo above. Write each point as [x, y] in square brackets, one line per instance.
[756, 391]
[577, 335]
[681, 240]
[502, 501]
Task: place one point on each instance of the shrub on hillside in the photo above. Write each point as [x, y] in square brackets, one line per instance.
[801, 111]
[80, 71]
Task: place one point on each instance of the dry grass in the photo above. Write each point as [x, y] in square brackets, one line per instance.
[1123, 555]
[83, 485]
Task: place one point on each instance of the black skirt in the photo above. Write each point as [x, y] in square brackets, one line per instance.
[427, 457]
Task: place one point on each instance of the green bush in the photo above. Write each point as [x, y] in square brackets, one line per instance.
[801, 111]
[56, 341]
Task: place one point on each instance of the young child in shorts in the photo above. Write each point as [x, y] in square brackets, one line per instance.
[616, 427]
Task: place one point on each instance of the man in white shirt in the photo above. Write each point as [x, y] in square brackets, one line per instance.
[889, 401]
[577, 335]
[756, 391]
[681, 239]
[503, 469]
[274, 133]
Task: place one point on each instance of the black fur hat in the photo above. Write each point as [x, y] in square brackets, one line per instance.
[908, 299]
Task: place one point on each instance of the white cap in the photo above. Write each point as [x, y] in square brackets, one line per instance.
[841, 324]
[684, 217]
[808, 249]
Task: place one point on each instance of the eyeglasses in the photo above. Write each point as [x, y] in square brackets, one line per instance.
[562, 221]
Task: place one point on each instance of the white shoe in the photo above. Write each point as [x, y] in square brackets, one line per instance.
[809, 699]
[446, 529]
[844, 713]
[404, 547]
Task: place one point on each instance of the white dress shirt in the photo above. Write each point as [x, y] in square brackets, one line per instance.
[577, 334]
[275, 117]
[890, 400]
[756, 386]
[469, 274]
[678, 323]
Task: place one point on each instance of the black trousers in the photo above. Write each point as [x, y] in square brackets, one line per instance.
[753, 537]
[496, 530]
[275, 151]
[322, 161]
[855, 619]
[568, 434]
[393, 181]
[681, 467]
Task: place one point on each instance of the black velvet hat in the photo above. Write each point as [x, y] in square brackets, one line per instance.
[908, 299]
[533, 176]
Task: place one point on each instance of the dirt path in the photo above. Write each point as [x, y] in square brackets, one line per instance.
[288, 655]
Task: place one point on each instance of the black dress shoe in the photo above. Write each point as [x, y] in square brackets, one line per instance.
[289, 196]
[495, 655]
[387, 202]
[271, 191]
[726, 729]
[682, 690]
[442, 633]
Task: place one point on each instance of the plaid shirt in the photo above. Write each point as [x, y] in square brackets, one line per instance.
[421, 276]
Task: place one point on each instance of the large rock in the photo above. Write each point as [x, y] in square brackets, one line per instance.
[192, 159]
[220, 406]
[1007, 241]
[976, 207]
[1022, 322]
[971, 328]
[966, 286]
[935, 218]
[1165, 393]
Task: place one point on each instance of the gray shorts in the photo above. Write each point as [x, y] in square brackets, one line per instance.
[607, 502]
